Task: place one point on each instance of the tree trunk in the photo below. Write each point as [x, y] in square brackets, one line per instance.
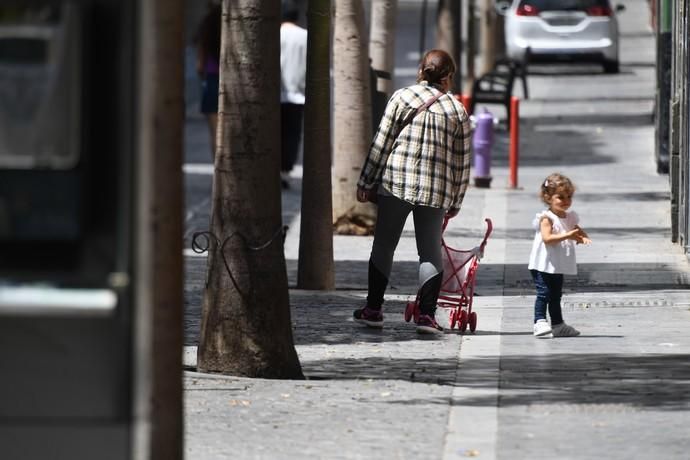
[499, 36]
[159, 426]
[382, 42]
[352, 115]
[246, 328]
[448, 37]
[488, 32]
[471, 51]
[315, 268]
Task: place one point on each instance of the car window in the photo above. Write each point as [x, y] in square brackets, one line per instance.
[564, 5]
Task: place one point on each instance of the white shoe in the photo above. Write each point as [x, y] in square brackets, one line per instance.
[563, 330]
[542, 329]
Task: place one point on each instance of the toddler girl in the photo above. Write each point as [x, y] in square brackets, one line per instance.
[553, 255]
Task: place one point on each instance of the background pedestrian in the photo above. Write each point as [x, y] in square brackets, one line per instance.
[553, 255]
[293, 74]
[207, 66]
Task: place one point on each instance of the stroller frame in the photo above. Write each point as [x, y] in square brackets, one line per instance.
[457, 289]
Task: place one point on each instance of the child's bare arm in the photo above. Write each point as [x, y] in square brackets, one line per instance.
[547, 235]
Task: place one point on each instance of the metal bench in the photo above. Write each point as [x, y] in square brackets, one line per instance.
[495, 87]
[517, 68]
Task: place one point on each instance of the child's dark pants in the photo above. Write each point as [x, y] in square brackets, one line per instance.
[549, 291]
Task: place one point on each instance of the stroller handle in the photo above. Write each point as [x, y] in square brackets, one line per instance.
[489, 229]
[446, 219]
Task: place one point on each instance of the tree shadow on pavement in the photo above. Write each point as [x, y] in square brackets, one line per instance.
[431, 371]
[586, 119]
[604, 277]
[556, 147]
[568, 69]
[638, 382]
[334, 309]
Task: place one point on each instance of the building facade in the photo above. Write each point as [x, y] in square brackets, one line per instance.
[672, 111]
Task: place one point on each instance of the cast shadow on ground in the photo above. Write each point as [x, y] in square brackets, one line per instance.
[632, 120]
[492, 280]
[555, 147]
[635, 382]
[557, 100]
[573, 69]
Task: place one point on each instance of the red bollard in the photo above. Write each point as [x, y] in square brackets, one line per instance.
[514, 140]
[465, 100]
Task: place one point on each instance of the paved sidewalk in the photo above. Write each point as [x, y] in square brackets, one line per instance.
[619, 391]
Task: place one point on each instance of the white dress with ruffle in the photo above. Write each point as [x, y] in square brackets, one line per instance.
[558, 257]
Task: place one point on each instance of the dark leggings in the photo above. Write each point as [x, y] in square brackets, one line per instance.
[392, 214]
[291, 116]
[549, 292]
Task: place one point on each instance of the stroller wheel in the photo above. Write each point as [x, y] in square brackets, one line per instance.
[462, 321]
[473, 322]
[409, 311]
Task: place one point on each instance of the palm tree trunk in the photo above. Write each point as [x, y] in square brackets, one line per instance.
[488, 33]
[448, 34]
[246, 328]
[352, 111]
[316, 269]
[471, 51]
[382, 43]
[158, 431]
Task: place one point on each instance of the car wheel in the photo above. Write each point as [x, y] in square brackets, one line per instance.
[611, 67]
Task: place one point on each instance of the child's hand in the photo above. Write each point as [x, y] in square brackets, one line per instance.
[581, 237]
[574, 234]
[583, 240]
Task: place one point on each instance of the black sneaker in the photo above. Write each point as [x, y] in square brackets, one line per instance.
[427, 324]
[369, 317]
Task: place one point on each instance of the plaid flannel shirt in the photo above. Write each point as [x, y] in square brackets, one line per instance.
[427, 162]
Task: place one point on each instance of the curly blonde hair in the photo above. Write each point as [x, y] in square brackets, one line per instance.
[554, 184]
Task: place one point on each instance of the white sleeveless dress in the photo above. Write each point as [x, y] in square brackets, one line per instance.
[558, 257]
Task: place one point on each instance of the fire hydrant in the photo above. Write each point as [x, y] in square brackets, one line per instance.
[482, 140]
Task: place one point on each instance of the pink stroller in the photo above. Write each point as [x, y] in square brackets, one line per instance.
[457, 288]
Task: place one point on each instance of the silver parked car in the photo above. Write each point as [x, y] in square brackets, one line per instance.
[584, 30]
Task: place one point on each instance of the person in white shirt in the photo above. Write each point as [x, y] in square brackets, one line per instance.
[293, 73]
[553, 255]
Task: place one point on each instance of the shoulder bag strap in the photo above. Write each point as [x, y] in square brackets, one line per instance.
[421, 109]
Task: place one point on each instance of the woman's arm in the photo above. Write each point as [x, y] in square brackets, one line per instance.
[381, 145]
[462, 147]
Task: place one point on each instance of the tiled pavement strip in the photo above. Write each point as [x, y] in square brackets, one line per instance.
[619, 391]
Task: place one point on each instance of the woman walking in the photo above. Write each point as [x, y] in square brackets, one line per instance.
[419, 162]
